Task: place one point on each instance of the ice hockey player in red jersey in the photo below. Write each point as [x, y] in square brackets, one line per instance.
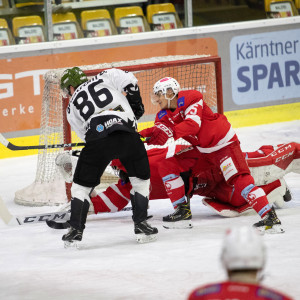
[243, 257]
[185, 115]
[266, 164]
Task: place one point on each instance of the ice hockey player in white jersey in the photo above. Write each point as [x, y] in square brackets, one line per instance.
[103, 111]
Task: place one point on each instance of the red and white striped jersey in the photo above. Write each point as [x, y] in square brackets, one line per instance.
[236, 291]
[195, 122]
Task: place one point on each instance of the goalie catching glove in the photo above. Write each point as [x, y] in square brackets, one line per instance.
[135, 101]
[160, 134]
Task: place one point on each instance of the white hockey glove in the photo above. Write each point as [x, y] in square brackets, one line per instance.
[66, 163]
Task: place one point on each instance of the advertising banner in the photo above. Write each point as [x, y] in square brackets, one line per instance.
[265, 66]
[21, 78]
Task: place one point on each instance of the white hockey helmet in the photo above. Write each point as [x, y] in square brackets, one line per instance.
[243, 249]
[163, 86]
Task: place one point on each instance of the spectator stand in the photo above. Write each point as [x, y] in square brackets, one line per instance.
[97, 23]
[28, 29]
[163, 16]
[130, 19]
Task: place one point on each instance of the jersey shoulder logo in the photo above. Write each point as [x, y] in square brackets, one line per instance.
[180, 102]
[100, 128]
[162, 113]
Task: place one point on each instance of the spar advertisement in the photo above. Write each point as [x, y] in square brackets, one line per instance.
[265, 67]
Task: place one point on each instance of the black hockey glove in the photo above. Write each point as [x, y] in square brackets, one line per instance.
[134, 98]
[123, 176]
[138, 109]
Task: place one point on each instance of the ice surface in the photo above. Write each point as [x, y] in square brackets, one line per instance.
[34, 264]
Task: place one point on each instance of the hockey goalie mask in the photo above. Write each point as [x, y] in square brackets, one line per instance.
[168, 87]
[72, 77]
[243, 249]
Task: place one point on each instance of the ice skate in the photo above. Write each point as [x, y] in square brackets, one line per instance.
[270, 223]
[72, 238]
[180, 219]
[145, 233]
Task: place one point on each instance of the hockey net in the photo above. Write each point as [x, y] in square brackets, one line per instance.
[198, 72]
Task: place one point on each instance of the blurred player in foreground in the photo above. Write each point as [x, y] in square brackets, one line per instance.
[243, 257]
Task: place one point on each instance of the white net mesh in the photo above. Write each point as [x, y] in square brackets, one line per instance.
[192, 72]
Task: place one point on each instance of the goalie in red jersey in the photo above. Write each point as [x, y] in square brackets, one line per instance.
[268, 165]
[185, 115]
[243, 257]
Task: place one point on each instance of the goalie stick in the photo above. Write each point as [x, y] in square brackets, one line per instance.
[13, 147]
[51, 218]
[12, 220]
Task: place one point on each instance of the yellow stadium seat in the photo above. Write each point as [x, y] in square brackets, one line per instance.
[97, 23]
[280, 9]
[163, 16]
[4, 4]
[130, 20]
[66, 27]
[297, 4]
[29, 29]
[6, 37]
[25, 3]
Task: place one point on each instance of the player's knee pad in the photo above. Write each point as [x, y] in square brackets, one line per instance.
[81, 192]
[140, 185]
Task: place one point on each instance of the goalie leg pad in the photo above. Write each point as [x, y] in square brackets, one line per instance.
[225, 209]
[277, 195]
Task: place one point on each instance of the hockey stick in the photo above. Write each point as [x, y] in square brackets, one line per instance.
[13, 147]
[10, 219]
[5, 215]
[60, 216]
[64, 225]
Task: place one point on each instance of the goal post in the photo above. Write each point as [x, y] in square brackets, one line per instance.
[199, 72]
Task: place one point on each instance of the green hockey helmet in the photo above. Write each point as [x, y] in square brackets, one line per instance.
[72, 77]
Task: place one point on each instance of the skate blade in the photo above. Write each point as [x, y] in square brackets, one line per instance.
[275, 229]
[72, 245]
[184, 224]
[142, 238]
